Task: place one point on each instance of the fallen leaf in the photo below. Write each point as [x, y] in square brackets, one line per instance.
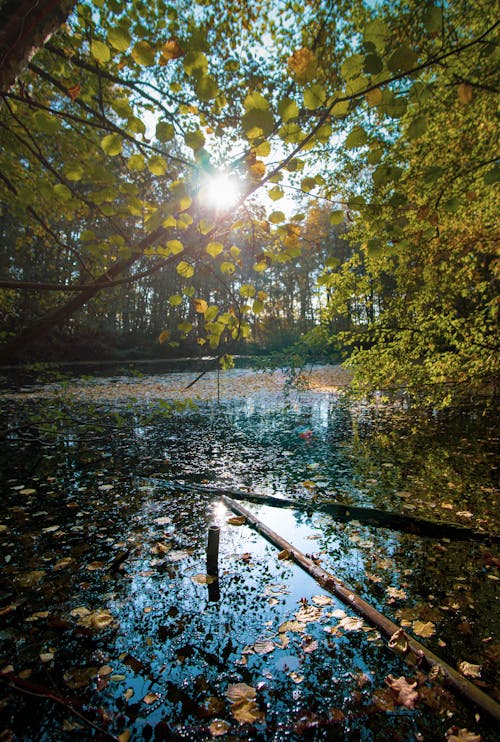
[285, 554]
[396, 593]
[296, 677]
[241, 691]
[128, 694]
[309, 644]
[162, 521]
[423, 629]
[351, 624]
[322, 600]
[218, 727]
[79, 677]
[470, 671]
[246, 712]
[454, 734]
[404, 692]
[150, 698]
[46, 656]
[263, 647]
[236, 520]
[93, 566]
[291, 626]
[308, 613]
[202, 579]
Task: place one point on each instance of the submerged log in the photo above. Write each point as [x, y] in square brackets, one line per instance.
[369, 516]
[413, 650]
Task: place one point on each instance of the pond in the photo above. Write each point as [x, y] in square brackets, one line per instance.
[112, 627]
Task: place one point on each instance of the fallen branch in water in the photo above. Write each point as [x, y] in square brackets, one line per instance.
[412, 649]
[368, 516]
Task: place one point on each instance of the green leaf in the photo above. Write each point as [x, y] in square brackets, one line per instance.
[185, 327]
[402, 60]
[432, 173]
[247, 290]
[275, 193]
[453, 205]
[352, 66]
[214, 249]
[211, 313]
[143, 54]
[373, 64]
[357, 138]
[46, 123]
[119, 38]
[492, 176]
[417, 128]
[256, 102]
[376, 34]
[165, 132]
[112, 144]
[288, 109]
[100, 51]
[206, 88]
[157, 165]
[258, 306]
[62, 192]
[263, 149]
[314, 96]
[308, 184]
[194, 139]
[175, 300]
[340, 109]
[195, 63]
[336, 217]
[257, 123]
[136, 162]
[122, 107]
[433, 19]
[74, 171]
[185, 270]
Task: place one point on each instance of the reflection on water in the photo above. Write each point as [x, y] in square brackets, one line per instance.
[100, 550]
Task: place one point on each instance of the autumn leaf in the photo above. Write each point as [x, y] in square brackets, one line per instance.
[202, 579]
[246, 712]
[74, 91]
[219, 727]
[150, 698]
[470, 671]
[351, 624]
[425, 629]
[236, 520]
[241, 691]
[404, 692]
[171, 50]
[309, 644]
[263, 647]
[285, 554]
[302, 64]
[322, 599]
[163, 336]
[396, 593]
[454, 734]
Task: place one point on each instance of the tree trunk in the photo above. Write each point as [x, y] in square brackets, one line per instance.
[25, 27]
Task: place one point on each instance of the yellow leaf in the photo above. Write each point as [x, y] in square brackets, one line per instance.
[471, 671]
[150, 698]
[200, 306]
[423, 629]
[163, 336]
[236, 520]
[285, 554]
[246, 712]
[241, 692]
[202, 579]
[214, 249]
[218, 727]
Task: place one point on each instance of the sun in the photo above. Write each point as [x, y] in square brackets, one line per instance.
[220, 191]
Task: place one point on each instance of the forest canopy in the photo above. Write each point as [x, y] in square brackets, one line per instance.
[216, 173]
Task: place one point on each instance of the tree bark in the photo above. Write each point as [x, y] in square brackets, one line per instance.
[25, 27]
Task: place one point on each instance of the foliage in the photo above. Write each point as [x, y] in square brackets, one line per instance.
[384, 114]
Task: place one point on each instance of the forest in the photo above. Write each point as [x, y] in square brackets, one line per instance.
[249, 252]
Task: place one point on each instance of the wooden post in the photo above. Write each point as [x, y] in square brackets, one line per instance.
[213, 562]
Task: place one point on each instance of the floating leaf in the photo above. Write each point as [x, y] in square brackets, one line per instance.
[241, 691]
[404, 692]
[309, 644]
[425, 629]
[285, 554]
[351, 624]
[470, 671]
[322, 600]
[236, 520]
[219, 727]
[150, 698]
[263, 647]
[454, 734]
[203, 579]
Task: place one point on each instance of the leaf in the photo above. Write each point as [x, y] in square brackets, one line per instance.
[171, 50]
[396, 593]
[165, 132]
[206, 88]
[136, 162]
[186, 270]
[214, 249]
[219, 727]
[314, 97]
[454, 734]
[302, 65]
[241, 692]
[309, 644]
[100, 51]
[143, 54]
[288, 109]
[194, 139]
[247, 712]
[351, 624]
[203, 579]
[336, 217]
[119, 38]
[275, 193]
[322, 600]
[402, 60]
[423, 629]
[294, 626]
[174, 247]
[263, 647]
[285, 554]
[404, 692]
[163, 336]
[200, 306]
[112, 144]
[236, 520]
[417, 128]
[357, 138]
[150, 698]
[157, 165]
[257, 123]
[470, 671]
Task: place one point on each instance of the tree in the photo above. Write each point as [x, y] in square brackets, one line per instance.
[125, 113]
